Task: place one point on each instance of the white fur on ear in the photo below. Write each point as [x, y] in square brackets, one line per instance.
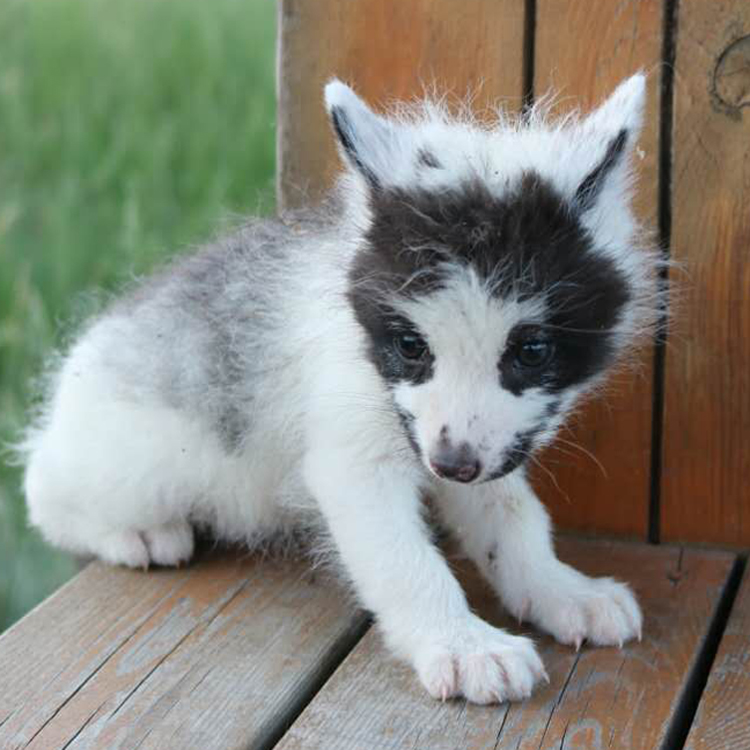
[610, 133]
[338, 94]
[622, 110]
[368, 142]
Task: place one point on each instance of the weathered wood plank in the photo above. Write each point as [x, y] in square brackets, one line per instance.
[219, 655]
[706, 463]
[723, 718]
[597, 698]
[388, 51]
[609, 492]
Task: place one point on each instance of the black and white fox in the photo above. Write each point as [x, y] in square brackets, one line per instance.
[423, 333]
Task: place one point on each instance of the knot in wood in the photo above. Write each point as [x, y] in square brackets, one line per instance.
[731, 80]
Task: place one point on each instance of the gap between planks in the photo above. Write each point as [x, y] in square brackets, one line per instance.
[722, 721]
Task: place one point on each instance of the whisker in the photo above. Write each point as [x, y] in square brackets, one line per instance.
[587, 453]
[539, 464]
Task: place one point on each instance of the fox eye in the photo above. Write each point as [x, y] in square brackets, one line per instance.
[532, 354]
[410, 346]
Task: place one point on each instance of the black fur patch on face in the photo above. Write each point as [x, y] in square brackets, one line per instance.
[529, 243]
[383, 329]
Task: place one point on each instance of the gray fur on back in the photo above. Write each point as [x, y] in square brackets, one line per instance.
[208, 332]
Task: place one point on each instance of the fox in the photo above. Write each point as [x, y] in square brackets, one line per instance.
[417, 337]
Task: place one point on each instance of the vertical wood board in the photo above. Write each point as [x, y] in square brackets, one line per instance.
[583, 50]
[389, 51]
[706, 461]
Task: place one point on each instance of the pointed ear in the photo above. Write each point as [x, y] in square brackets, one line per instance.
[368, 142]
[616, 125]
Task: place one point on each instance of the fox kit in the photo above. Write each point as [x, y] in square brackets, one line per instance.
[422, 334]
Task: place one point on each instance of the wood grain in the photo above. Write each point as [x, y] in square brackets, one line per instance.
[388, 51]
[216, 656]
[706, 461]
[597, 698]
[723, 718]
[582, 51]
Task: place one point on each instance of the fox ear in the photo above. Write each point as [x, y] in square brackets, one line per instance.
[369, 143]
[615, 125]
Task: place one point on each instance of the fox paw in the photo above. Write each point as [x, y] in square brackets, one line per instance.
[481, 663]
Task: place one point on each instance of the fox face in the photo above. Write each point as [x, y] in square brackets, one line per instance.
[500, 271]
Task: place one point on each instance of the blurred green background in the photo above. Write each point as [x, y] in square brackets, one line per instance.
[128, 130]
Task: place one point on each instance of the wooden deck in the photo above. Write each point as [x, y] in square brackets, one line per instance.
[238, 653]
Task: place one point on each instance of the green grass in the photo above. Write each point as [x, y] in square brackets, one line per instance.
[128, 129]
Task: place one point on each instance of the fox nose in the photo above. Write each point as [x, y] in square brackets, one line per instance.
[457, 464]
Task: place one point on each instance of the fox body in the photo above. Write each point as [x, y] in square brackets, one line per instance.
[423, 333]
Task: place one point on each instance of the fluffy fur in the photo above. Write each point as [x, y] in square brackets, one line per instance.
[424, 333]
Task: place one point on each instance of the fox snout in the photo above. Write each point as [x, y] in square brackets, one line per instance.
[458, 463]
